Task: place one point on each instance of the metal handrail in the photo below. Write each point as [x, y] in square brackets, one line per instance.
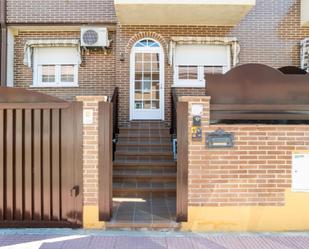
[174, 100]
[114, 100]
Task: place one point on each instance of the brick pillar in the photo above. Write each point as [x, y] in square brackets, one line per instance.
[195, 157]
[91, 161]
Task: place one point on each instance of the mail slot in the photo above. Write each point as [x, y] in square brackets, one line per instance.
[220, 139]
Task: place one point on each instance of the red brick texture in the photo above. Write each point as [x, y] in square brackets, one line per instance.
[269, 34]
[96, 75]
[256, 172]
[60, 11]
[91, 151]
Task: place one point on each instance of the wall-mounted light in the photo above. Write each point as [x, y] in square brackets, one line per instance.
[122, 57]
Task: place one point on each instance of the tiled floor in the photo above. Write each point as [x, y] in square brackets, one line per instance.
[140, 240]
[144, 210]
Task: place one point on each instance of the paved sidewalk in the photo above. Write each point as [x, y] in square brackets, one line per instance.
[80, 239]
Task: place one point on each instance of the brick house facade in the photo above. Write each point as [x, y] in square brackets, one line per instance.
[256, 173]
[274, 34]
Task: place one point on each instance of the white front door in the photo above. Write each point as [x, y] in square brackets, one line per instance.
[147, 81]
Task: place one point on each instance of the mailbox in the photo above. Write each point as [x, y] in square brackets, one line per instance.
[220, 139]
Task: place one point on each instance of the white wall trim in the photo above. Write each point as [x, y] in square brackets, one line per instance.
[147, 114]
[10, 57]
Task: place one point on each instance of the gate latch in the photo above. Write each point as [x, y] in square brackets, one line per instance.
[75, 191]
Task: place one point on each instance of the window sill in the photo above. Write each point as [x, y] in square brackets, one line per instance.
[54, 86]
[189, 86]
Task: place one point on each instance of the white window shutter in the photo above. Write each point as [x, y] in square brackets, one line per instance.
[203, 55]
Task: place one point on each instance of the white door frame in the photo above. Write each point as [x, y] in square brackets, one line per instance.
[133, 112]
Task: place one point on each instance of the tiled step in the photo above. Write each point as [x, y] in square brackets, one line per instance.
[148, 124]
[131, 190]
[144, 165]
[155, 172]
[148, 178]
[138, 155]
[153, 137]
[137, 225]
[138, 186]
[144, 149]
[157, 159]
[133, 144]
[144, 130]
[142, 153]
[143, 139]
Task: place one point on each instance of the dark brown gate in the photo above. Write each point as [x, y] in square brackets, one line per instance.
[40, 160]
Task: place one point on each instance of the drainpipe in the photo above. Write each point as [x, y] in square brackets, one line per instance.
[3, 40]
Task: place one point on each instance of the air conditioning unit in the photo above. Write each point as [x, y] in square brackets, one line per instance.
[94, 37]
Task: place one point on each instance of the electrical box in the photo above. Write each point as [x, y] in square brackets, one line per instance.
[300, 172]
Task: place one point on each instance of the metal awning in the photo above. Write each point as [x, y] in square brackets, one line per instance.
[188, 40]
[31, 44]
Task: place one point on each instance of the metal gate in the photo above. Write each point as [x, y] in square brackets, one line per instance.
[40, 160]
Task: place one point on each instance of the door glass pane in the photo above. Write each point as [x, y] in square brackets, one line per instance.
[147, 104]
[139, 76]
[147, 86]
[155, 86]
[147, 96]
[138, 95]
[155, 105]
[155, 76]
[147, 57]
[139, 67]
[155, 67]
[147, 76]
[147, 81]
[139, 57]
[138, 85]
[155, 95]
[147, 67]
[138, 105]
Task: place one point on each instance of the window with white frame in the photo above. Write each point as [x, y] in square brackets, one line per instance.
[55, 67]
[193, 62]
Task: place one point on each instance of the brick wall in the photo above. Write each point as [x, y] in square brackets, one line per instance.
[256, 172]
[269, 34]
[96, 75]
[60, 11]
